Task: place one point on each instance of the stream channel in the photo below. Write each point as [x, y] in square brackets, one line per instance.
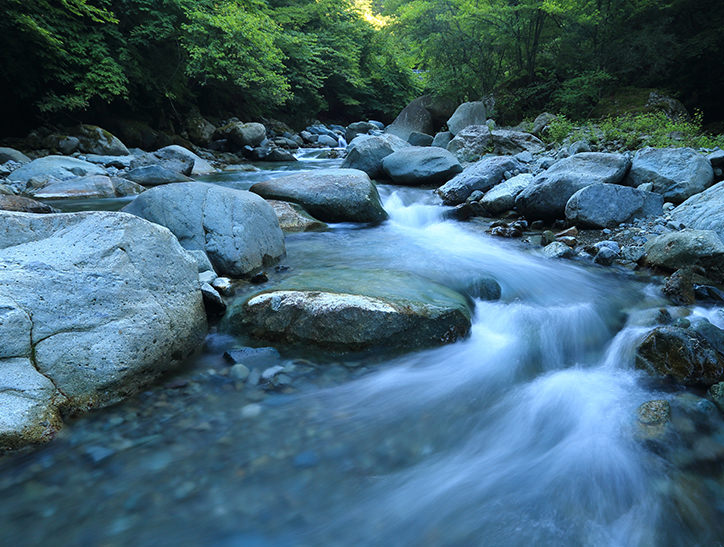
[524, 433]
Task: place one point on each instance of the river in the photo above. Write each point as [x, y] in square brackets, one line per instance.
[523, 434]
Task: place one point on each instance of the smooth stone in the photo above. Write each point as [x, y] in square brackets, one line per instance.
[704, 211]
[686, 249]
[22, 204]
[501, 197]
[366, 153]
[482, 176]
[467, 114]
[605, 205]
[10, 154]
[471, 143]
[417, 165]
[174, 151]
[54, 167]
[91, 187]
[155, 175]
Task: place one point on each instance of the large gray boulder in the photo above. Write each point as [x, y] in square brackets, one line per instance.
[93, 187]
[424, 115]
[549, 192]
[421, 165]
[96, 140]
[509, 142]
[356, 310]
[471, 143]
[174, 151]
[330, 195]
[676, 173]
[366, 152]
[687, 249]
[703, 211]
[155, 175]
[482, 176]
[358, 128]
[93, 306]
[607, 205]
[238, 230]
[10, 154]
[242, 134]
[467, 114]
[54, 167]
[501, 198]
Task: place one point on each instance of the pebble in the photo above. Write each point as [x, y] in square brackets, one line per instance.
[239, 372]
[253, 378]
[270, 372]
[251, 410]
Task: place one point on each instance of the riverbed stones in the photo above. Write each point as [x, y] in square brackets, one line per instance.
[704, 211]
[689, 356]
[366, 153]
[350, 310]
[676, 173]
[91, 187]
[501, 197]
[546, 197]
[293, 218]
[238, 230]
[509, 142]
[482, 176]
[558, 249]
[606, 205]
[93, 306]
[686, 249]
[467, 114]
[418, 165]
[54, 167]
[330, 195]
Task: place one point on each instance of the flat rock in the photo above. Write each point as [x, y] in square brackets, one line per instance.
[330, 195]
[418, 165]
[482, 176]
[92, 187]
[238, 230]
[154, 175]
[356, 310]
[54, 167]
[22, 204]
[606, 205]
[676, 173]
[501, 197]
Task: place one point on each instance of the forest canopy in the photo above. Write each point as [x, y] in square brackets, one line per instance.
[349, 59]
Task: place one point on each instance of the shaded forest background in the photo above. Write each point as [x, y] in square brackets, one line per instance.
[66, 61]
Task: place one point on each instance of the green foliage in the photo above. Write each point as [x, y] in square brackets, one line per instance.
[631, 132]
[578, 96]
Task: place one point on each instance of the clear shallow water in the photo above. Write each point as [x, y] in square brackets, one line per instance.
[522, 434]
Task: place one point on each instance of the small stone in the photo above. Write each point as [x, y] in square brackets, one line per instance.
[570, 241]
[207, 277]
[477, 195]
[269, 373]
[547, 237]
[223, 285]
[251, 410]
[259, 278]
[254, 377]
[558, 250]
[572, 231]
[605, 256]
[656, 412]
[239, 372]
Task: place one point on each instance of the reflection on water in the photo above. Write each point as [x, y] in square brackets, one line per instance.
[521, 434]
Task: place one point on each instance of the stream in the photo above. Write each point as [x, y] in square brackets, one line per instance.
[524, 433]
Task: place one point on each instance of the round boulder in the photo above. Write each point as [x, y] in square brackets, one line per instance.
[418, 165]
[607, 205]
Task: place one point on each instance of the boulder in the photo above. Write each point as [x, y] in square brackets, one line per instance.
[10, 154]
[293, 218]
[482, 176]
[242, 134]
[420, 139]
[154, 175]
[237, 229]
[716, 158]
[419, 165]
[326, 140]
[672, 108]
[606, 205]
[22, 204]
[442, 139]
[704, 211]
[174, 151]
[53, 167]
[686, 249]
[541, 123]
[424, 115]
[94, 306]
[330, 195]
[139, 134]
[358, 128]
[509, 142]
[547, 195]
[676, 173]
[95, 140]
[501, 198]
[200, 131]
[471, 143]
[689, 356]
[342, 309]
[467, 114]
[93, 187]
[119, 162]
[367, 152]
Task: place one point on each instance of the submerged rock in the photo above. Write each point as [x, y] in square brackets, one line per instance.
[238, 230]
[93, 306]
[356, 310]
[331, 195]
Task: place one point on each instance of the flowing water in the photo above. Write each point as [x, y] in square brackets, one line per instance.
[522, 434]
